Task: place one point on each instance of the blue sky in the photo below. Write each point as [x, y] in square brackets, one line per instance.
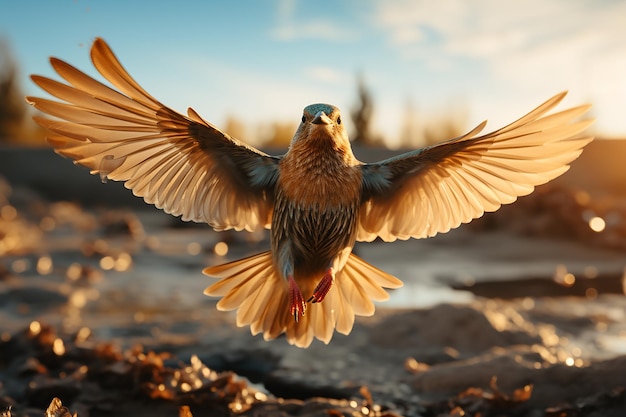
[263, 61]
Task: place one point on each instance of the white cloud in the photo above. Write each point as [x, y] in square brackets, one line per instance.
[285, 9]
[490, 30]
[326, 75]
[314, 29]
[291, 28]
[525, 49]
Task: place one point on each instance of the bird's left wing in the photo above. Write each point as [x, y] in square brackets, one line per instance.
[432, 190]
[181, 164]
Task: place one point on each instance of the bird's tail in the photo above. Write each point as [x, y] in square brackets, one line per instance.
[253, 287]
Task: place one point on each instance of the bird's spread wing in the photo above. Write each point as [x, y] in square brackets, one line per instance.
[183, 165]
[434, 189]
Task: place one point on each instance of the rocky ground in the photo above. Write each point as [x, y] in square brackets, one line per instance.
[102, 312]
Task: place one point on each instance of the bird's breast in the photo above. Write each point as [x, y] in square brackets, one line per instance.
[315, 209]
[321, 179]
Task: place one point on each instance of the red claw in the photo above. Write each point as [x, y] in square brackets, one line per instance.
[296, 300]
[323, 287]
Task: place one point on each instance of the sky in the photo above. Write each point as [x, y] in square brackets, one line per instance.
[263, 61]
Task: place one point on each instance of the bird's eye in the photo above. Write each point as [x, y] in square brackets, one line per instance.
[339, 120]
[303, 118]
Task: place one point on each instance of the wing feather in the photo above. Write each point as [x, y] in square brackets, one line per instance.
[435, 189]
[181, 164]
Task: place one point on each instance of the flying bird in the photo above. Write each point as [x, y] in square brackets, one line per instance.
[317, 199]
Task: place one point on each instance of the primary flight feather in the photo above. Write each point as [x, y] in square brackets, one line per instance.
[317, 198]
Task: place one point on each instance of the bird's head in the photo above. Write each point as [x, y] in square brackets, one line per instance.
[322, 124]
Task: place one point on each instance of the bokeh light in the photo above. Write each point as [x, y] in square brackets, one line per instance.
[107, 263]
[44, 265]
[221, 249]
[194, 248]
[8, 213]
[597, 224]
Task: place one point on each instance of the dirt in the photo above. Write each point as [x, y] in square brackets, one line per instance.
[102, 313]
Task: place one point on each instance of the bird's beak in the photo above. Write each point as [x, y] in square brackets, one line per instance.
[321, 119]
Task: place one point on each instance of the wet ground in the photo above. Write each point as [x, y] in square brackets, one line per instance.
[103, 309]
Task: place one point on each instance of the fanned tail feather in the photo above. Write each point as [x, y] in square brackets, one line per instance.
[253, 288]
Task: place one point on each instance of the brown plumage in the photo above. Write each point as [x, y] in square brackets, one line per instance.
[318, 199]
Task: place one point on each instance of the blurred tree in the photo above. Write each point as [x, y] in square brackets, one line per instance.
[410, 135]
[436, 127]
[235, 128]
[447, 124]
[15, 126]
[362, 117]
[12, 106]
[279, 135]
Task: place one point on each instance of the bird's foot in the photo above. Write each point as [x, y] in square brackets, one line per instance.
[296, 300]
[323, 287]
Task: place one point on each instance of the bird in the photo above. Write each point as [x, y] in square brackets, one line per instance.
[317, 199]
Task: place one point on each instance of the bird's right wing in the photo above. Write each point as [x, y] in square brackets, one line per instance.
[432, 190]
[181, 164]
